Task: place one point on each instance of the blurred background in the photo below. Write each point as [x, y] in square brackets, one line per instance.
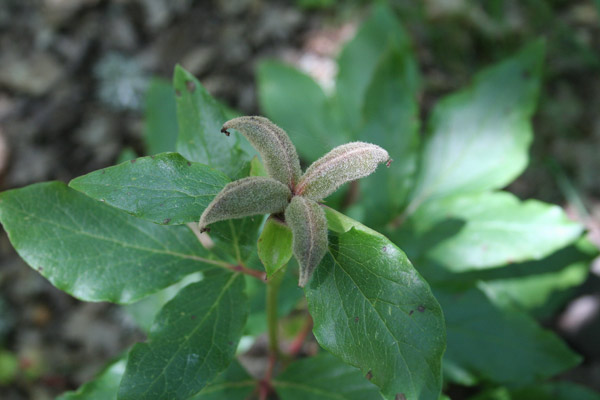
[73, 78]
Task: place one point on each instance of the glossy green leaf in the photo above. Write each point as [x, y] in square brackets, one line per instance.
[392, 121]
[200, 118]
[479, 137]
[103, 387]
[506, 347]
[374, 311]
[165, 189]
[232, 384]
[193, 339]
[274, 245]
[234, 240]
[93, 251]
[323, 377]
[360, 59]
[499, 229]
[160, 117]
[297, 104]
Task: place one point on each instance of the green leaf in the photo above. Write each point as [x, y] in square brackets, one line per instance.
[193, 338]
[103, 387]
[499, 229]
[479, 137]
[165, 189]
[233, 384]
[297, 104]
[373, 310]
[323, 377]
[200, 118]
[234, 240]
[392, 122]
[545, 391]
[93, 251]
[160, 117]
[275, 245]
[506, 347]
[360, 58]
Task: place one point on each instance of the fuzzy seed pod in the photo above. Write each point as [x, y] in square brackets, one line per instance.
[275, 147]
[343, 164]
[307, 221]
[248, 196]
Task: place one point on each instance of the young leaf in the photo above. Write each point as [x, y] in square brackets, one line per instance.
[200, 118]
[373, 310]
[245, 197]
[307, 221]
[160, 117]
[479, 137]
[498, 230]
[345, 163]
[165, 189]
[360, 58]
[93, 251]
[274, 245]
[506, 347]
[275, 147]
[391, 121]
[232, 384]
[323, 377]
[234, 240]
[193, 338]
[104, 386]
[296, 103]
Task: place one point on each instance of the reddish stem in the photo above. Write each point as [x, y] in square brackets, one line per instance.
[262, 276]
[298, 341]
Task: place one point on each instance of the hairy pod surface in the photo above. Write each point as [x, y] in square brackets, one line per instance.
[245, 197]
[343, 164]
[307, 221]
[275, 147]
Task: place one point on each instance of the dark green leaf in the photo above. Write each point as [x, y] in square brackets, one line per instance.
[104, 387]
[479, 137]
[200, 119]
[545, 391]
[234, 240]
[391, 115]
[506, 347]
[360, 58]
[232, 384]
[499, 229]
[324, 377]
[274, 245]
[93, 251]
[165, 189]
[296, 103]
[160, 117]
[193, 339]
[373, 310]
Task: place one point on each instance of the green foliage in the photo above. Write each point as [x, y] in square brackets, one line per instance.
[494, 263]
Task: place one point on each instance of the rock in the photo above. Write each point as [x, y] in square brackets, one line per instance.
[33, 74]
[57, 12]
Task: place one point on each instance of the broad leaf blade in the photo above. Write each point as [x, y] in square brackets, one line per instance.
[93, 251]
[360, 58]
[296, 103]
[200, 118]
[391, 115]
[479, 137]
[160, 117]
[165, 189]
[499, 229]
[193, 338]
[232, 384]
[103, 387]
[323, 377]
[506, 347]
[373, 310]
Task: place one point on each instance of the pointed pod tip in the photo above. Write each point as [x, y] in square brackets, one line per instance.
[225, 131]
[389, 162]
[204, 229]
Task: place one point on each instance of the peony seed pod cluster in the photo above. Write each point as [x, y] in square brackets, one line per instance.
[288, 192]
